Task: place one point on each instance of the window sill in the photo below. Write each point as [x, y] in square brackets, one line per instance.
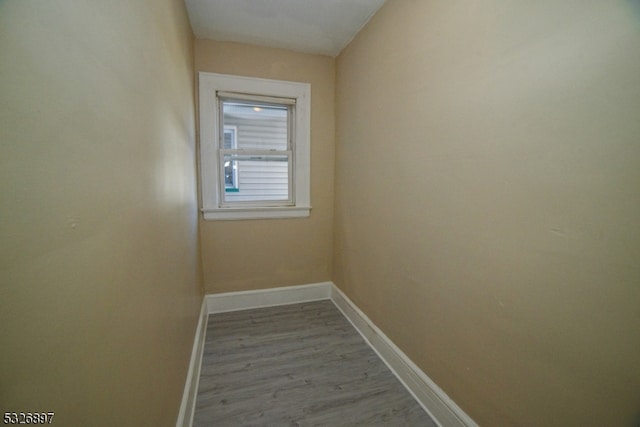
[256, 213]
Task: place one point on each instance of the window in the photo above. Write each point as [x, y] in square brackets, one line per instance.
[254, 147]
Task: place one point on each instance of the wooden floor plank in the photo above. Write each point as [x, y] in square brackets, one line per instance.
[297, 365]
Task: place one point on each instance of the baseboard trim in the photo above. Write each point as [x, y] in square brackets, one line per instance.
[188, 405]
[432, 398]
[244, 300]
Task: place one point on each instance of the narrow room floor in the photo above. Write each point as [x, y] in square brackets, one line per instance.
[301, 364]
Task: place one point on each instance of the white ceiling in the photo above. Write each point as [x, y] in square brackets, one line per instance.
[311, 26]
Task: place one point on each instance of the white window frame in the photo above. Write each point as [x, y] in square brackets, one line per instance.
[213, 207]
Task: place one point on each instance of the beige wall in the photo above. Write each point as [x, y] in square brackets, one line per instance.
[254, 254]
[99, 276]
[488, 197]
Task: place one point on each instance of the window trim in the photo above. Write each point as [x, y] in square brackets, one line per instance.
[210, 84]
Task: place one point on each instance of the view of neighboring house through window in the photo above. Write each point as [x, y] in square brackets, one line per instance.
[256, 150]
[230, 169]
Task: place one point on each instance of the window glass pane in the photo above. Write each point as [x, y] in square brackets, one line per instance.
[230, 173]
[230, 167]
[259, 177]
[260, 126]
[229, 138]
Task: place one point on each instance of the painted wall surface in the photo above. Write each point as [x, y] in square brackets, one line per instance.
[488, 197]
[255, 254]
[99, 268]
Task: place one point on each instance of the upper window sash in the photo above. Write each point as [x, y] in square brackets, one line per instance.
[256, 100]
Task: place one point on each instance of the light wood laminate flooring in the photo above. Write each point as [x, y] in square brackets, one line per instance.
[297, 365]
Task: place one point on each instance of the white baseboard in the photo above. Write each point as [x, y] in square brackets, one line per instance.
[188, 405]
[431, 397]
[244, 300]
[435, 401]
